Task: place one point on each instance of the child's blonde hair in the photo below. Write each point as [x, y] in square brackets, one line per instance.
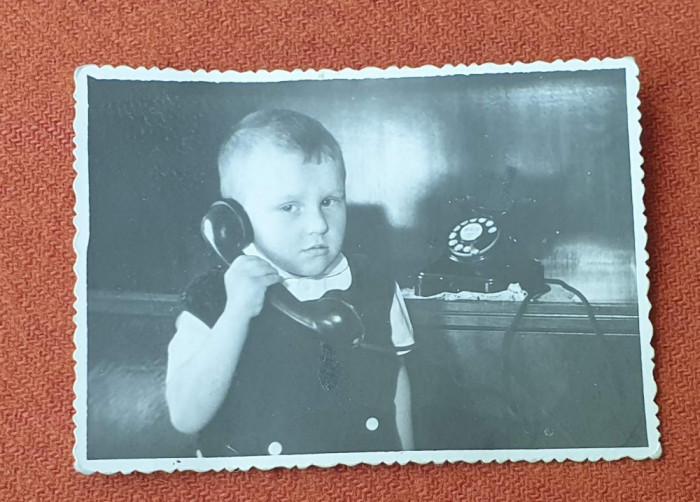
[285, 129]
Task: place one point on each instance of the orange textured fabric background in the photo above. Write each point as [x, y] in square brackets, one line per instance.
[43, 42]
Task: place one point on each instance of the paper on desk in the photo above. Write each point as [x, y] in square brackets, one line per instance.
[514, 293]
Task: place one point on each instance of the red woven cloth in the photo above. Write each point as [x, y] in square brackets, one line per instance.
[43, 42]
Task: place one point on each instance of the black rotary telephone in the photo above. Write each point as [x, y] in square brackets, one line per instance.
[227, 229]
[481, 256]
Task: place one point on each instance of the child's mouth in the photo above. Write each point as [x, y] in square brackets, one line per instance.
[317, 250]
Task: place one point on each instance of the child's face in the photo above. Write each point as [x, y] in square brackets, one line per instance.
[297, 209]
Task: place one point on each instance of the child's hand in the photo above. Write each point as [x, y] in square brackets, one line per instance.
[246, 281]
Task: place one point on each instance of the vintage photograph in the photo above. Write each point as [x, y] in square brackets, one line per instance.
[280, 269]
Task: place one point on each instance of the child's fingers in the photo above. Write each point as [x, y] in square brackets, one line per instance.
[262, 269]
[270, 279]
[254, 266]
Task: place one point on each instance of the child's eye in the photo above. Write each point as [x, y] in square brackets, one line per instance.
[327, 202]
[288, 208]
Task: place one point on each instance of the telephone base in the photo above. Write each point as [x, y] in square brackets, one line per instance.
[447, 276]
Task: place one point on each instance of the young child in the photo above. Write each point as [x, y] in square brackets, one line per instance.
[247, 378]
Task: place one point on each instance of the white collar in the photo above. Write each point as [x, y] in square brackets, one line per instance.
[310, 288]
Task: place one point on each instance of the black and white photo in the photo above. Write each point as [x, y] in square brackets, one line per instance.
[284, 269]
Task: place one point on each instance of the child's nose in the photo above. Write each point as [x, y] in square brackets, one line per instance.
[316, 222]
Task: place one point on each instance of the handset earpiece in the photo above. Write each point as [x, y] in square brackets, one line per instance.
[227, 229]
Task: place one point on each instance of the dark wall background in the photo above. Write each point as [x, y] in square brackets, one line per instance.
[557, 139]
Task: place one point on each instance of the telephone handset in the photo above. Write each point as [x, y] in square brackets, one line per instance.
[481, 257]
[227, 229]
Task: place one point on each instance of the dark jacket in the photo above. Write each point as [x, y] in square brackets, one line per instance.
[292, 390]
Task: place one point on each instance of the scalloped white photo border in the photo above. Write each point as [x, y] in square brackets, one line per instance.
[81, 222]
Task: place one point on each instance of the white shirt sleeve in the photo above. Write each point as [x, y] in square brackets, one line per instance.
[401, 329]
[190, 333]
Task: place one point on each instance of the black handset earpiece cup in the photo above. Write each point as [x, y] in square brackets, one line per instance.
[226, 227]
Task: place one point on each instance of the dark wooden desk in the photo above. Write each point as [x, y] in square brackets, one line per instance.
[552, 384]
